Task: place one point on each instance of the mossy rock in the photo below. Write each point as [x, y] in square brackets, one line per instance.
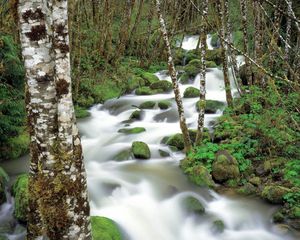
[214, 55]
[274, 193]
[278, 216]
[256, 181]
[218, 226]
[123, 155]
[211, 64]
[211, 106]
[105, 229]
[164, 104]
[192, 69]
[193, 205]
[20, 192]
[149, 78]
[136, 115]
[176, 141]
[145, 91]
[135, 130]
[140, 150]
[85, 101]
[163, 85]
[3, 182]
[201, 176]
[135, 82]
[147, 105]
[191, 92]
[163, 153]
[184, 79]
[294, 212]
[81, 112]
[247, 189]
[215, 40]
[225, 167]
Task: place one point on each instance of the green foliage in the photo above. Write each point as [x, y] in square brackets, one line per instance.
[105, 229]
[13, 138]
[81, 112]
[20, 192]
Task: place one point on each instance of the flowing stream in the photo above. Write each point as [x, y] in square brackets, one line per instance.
[145, 197]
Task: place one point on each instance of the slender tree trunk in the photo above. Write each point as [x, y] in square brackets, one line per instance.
[224, 47]
[203, 45]
[173, 73]
[244, 13]
[59, 207]
[137, 21]
[288, 31]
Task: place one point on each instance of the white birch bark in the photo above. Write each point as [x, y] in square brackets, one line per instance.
[173, 73]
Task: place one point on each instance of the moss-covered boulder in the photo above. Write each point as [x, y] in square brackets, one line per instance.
[105, 229]
[3, 182]
[145, 91]
[256, 181]
[200, 175]
[123, 155]
[225, 167]
[218, 226]
[147, 105]
[211, 106]
[247, 189]
[136, 115]
[193, 205]
[134, 82]
[140, 150]
[274, 193]
[214, 55]
[85, 101]
[163, 153]
[149, 78]
[81, 112]
[176, 140]
[135, 130]
[191, 92]
[193, 68]
[184, 79]
[163, 85]
[164, 104]
[20, 192]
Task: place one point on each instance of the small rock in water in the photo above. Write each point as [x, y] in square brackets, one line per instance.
[147, 105]
[140, 150]
[163, 153]
[135, 130]
[218, 226]
[192, 204]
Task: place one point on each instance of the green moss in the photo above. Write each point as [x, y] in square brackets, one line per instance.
[81, 112]
[191, 92]
[176, 141]
[136, 115]
[210, 64]
[149, 78]
[274, 193]
[105, 229]
[211, 106]
[198, 174]
[185, 78]
[135, 130]
[192, 204]
[164, 104]
[20, 192]
[107, 90]
[238, 40]
[135, 82]
[214, 55]
[218, 226]
[215, 42]
[192, 69]
[85, 102]
[19, 145]
[145, 91]
[123, 155]
[140, 150]
[225, 167]
[147, 105]
[163, 85]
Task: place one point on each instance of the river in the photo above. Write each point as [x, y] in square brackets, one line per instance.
[145, 197]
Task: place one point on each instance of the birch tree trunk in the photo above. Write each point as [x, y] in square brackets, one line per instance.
[244, 13]
[203, 46]
[173, 74]
[224, 47]
[288, 31]
[59, 207]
